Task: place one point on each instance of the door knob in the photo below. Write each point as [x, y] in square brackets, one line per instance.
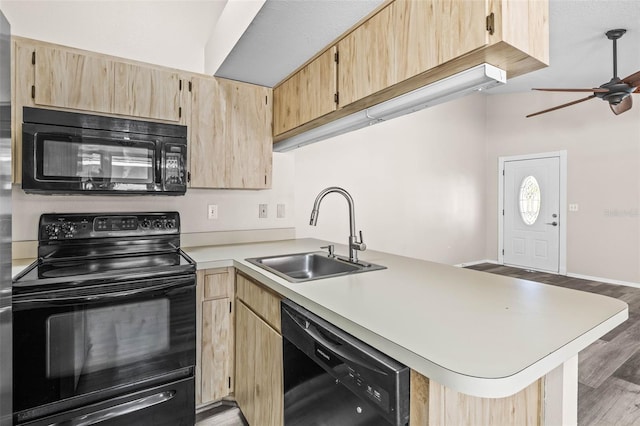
[554, 223]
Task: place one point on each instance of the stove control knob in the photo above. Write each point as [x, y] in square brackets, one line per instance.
[171, 223]
[157, 224]
[146, 223]
[52, 231]
[68, 230]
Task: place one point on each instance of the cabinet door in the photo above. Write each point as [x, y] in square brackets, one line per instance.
[207, 134]
[248, 134]
[367, 62]
[216, 351]
[68, 79]
[306, 95]
[214, 331]
[430, 33]
[259, 375]
[146, 92]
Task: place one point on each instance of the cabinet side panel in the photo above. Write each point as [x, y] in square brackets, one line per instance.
[23, 79]
[419, 400]
[449, 408]
[523, 24]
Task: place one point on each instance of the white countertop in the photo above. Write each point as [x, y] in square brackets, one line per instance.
[477, 333]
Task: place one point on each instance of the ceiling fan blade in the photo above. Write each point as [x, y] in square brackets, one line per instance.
[562, 106]
[594, 90]
[633, 79]
[624, 105]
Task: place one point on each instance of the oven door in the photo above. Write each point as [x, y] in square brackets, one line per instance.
[76, 346]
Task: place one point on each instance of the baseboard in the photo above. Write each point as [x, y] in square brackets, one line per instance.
[603, 280]
[475, 262]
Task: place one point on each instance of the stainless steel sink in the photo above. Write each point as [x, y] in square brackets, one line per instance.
[302, 267]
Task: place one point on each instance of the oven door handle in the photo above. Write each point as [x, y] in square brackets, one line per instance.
[119, 410]
[176, 288]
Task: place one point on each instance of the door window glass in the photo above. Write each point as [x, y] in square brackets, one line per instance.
[529, 200]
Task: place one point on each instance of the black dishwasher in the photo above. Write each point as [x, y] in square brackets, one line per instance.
[332, 378]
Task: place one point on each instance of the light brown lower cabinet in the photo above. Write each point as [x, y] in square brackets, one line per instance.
[259, 388]
[434, 404]
[215, 335]
[259, 376]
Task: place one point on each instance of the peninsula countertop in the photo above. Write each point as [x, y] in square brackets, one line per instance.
[477, 333]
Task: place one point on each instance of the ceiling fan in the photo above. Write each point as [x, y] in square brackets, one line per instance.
[617, 91]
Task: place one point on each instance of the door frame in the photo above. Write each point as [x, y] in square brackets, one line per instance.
[562, 249]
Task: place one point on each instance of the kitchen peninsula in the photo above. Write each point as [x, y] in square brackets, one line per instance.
[479, 346]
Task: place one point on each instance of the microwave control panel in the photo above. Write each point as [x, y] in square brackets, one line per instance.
[86, 226]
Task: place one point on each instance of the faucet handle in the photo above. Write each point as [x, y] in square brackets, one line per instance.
[331, 249]
[360, 245]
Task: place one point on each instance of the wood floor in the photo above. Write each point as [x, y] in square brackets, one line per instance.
[609, 369]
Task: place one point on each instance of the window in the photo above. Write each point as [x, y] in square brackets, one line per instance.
[529, 200]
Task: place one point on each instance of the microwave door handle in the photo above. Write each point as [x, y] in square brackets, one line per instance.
[118, 410]
[159, 160]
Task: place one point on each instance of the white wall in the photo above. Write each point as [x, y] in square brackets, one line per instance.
[603, 160]
[237, 209]
[168, 33]
[173, 34]
[417, 183]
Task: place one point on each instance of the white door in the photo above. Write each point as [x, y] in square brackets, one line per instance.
[532, 213]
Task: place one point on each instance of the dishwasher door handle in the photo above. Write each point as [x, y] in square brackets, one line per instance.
[340, 350]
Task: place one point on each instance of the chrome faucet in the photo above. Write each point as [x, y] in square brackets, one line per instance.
[354, 244]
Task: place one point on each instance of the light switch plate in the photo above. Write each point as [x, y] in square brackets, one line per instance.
[573, 207]
[281, 211]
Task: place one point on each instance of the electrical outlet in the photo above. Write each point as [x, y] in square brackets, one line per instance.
[262, 211]
[212, 211]
[573, 207]
[281, 211]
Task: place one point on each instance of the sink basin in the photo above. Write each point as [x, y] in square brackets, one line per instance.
[302, 267]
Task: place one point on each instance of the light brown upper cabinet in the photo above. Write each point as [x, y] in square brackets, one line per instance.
[146, 92]
[207, 146]
[229, 123]
[69, 79]
[408, 44]
[308, 94]
[248, 127]
[59, 77]
[230, 134]
[367, 58]
[427, 34]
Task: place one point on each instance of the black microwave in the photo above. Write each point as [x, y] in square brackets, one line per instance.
[71, 153]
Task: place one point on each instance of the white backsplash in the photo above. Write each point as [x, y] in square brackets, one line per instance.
[237, 209]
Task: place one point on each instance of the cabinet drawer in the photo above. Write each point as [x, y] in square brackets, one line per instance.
[217, 284]
[262, 301]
